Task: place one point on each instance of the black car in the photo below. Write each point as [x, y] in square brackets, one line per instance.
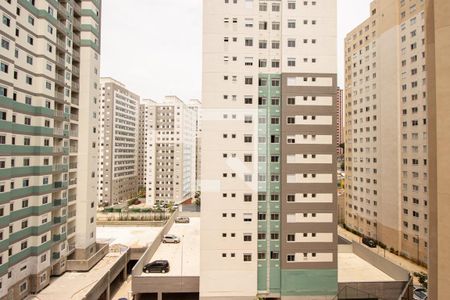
[157, 266]
[369, 242]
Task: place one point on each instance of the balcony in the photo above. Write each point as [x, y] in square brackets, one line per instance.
[59, 114]
[76, 55]
[58, 132]
[59, 96]
[59, 220]
[72, 198]
[75, 101]
[73, 150]
[59, 202]
[76, 24]
[73, 181]
[76, 71]
[74, 117]
[71, 230]
[61, 44]
[74, 133]
[60, 168]
[72, 166]
[56, 255]
[72, 214]
[61, 27]
[60, 184]
[59, 79]
[60, 62]
[76, 7]
[76, 39]
[75, 86]
[59, 237]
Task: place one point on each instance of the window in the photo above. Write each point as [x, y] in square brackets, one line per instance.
[291, 23]
[290, 257]
[247, 257]
[291, 5]
[247, 237]
[291, 237]
[249, 42]
[248, 80]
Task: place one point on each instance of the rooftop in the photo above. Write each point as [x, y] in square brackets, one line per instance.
[130, 236]
[352, 268]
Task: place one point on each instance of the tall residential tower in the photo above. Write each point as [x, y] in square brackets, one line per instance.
[269, 150]
[386, 127]
[49, 58]
[169, 135]
[118, 149]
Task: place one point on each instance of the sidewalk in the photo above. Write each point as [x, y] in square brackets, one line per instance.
[398, 260]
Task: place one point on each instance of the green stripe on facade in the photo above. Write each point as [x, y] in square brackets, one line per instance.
[90, 28]
[309, 282]
[25, 171]
[269, 276]
[25, 192]
[7, 126]
[90, 13]
[89, 43]
[25, 150]
[9, 103]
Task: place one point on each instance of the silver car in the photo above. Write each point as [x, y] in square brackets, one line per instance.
[182, 220]
[170, 238]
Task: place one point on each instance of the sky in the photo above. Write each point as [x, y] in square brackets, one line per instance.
[154, 46]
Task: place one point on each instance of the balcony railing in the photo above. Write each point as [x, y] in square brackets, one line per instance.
[60, 184]
[74, 117]
[73, 181]
[76, 7]
[58, 114]
[74, 133]
[60, 79]
[76, 70]
[58, 131]
[60, 168]
[72, 214]
[73, 165]
[76, 54]
[72, 198]
[59, 96]
[75, 86]
[73, 149]
[61, 43]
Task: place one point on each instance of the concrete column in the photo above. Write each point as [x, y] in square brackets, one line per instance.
[159, 296]
[124, 273]
[108, 288]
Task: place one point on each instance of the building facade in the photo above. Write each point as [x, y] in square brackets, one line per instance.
[170, 150]
[386, 128]
[49, 58]
[118, 149]
[438, 68]
[339, 121]
[268, 175]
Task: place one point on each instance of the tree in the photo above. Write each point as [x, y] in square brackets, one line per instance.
[197, 198]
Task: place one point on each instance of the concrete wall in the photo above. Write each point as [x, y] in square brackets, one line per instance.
[371, 290]
[84, 265]
[137, 270]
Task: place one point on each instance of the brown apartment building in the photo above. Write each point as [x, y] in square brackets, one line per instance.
[438, 66]
[386, 128]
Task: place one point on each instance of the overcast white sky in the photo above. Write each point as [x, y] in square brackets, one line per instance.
[154, 46]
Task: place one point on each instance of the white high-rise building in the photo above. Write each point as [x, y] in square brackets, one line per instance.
[49, 78]
[118, 148]
[268, 175]
[169, 150]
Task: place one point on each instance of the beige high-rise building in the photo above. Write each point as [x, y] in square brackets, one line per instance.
[169, 134]
[49, 66]
[118, 138]
[268, 178]
[438, 68]
[386, 128]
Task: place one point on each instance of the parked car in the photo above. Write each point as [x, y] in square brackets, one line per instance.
[170, 238]
[369, 242]
[157, 266]
[182, 220]
[420, 293]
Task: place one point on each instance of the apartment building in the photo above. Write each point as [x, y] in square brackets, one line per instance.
[339, 121]
[268, 172]
[438, 68]
[386, 128]
[49, 64]
[142, 148]
[196, 106]
[118, 143]
[170, 150]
